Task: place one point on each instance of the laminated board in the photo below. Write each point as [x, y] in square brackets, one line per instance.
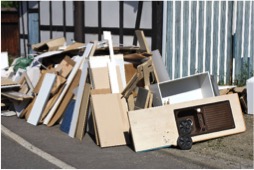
[156, 127]
[42, 99]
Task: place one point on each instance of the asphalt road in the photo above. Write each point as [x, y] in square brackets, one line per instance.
[14, 156]
[79, 154]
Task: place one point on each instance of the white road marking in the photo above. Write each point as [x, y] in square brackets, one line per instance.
[34, 149]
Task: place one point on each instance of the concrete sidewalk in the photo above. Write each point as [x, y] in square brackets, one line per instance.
[228, 152]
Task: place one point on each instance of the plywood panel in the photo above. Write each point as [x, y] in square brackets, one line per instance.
[107, 113]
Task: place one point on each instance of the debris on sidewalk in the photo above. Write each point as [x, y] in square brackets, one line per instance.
[120, 95]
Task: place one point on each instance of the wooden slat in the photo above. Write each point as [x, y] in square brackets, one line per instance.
[229, 46]
[200, 36]
[185, 37]
[82, 119]
[251, 66]
[177, 37]
[215, 37]
[222, 42]
[170, 37]
[208, 42]
[79, 98]
[238, 40]
[42, 99]
[193, 37]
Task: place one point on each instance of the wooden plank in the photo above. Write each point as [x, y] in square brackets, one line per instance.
[142, 41]
[82, 120]
[156, 127]
[251, 63]
[222, 42]
[113, 78]
[208, 42]
[238, 40]
[185, 38]
[160, 70]
[169, 37]
[106, 107]
[68, 82]
[229, 47]
[16, 95]
[215, 37]
[177, 37]
[200, 36]
[79, 96]
[193, 37]
[64, 103]
[41, 99]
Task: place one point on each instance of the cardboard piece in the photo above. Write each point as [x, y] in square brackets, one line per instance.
[42, 99]
[108, 107]
[50, 45]
[65, 66]
[156, 127]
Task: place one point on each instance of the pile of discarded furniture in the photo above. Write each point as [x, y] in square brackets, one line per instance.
[120, 95]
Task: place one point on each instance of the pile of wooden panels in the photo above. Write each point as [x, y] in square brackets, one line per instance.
[111, 93]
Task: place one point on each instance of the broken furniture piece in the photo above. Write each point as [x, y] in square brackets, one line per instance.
[208, 118]
[189, 88]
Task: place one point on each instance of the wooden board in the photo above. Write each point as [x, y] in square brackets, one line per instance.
[100, 78]
[156, 127]
[42, 99]
[65, 125]
[82, 119]
[160, 70]
[109, 122]
[68, 82]
[142, 41]
[142, 100]
[16, 95]
[68, 96]
[79, 97]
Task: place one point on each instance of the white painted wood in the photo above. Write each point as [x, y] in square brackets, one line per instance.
[34, 75]
[159, 67]
[189, 88]
[42, 99]
[250, 95]
[120, 61]
[108, 37]
[79, 95]
[68, 82]
[113, 78]
[4, 60]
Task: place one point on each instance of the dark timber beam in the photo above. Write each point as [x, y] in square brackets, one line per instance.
[79, 21]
